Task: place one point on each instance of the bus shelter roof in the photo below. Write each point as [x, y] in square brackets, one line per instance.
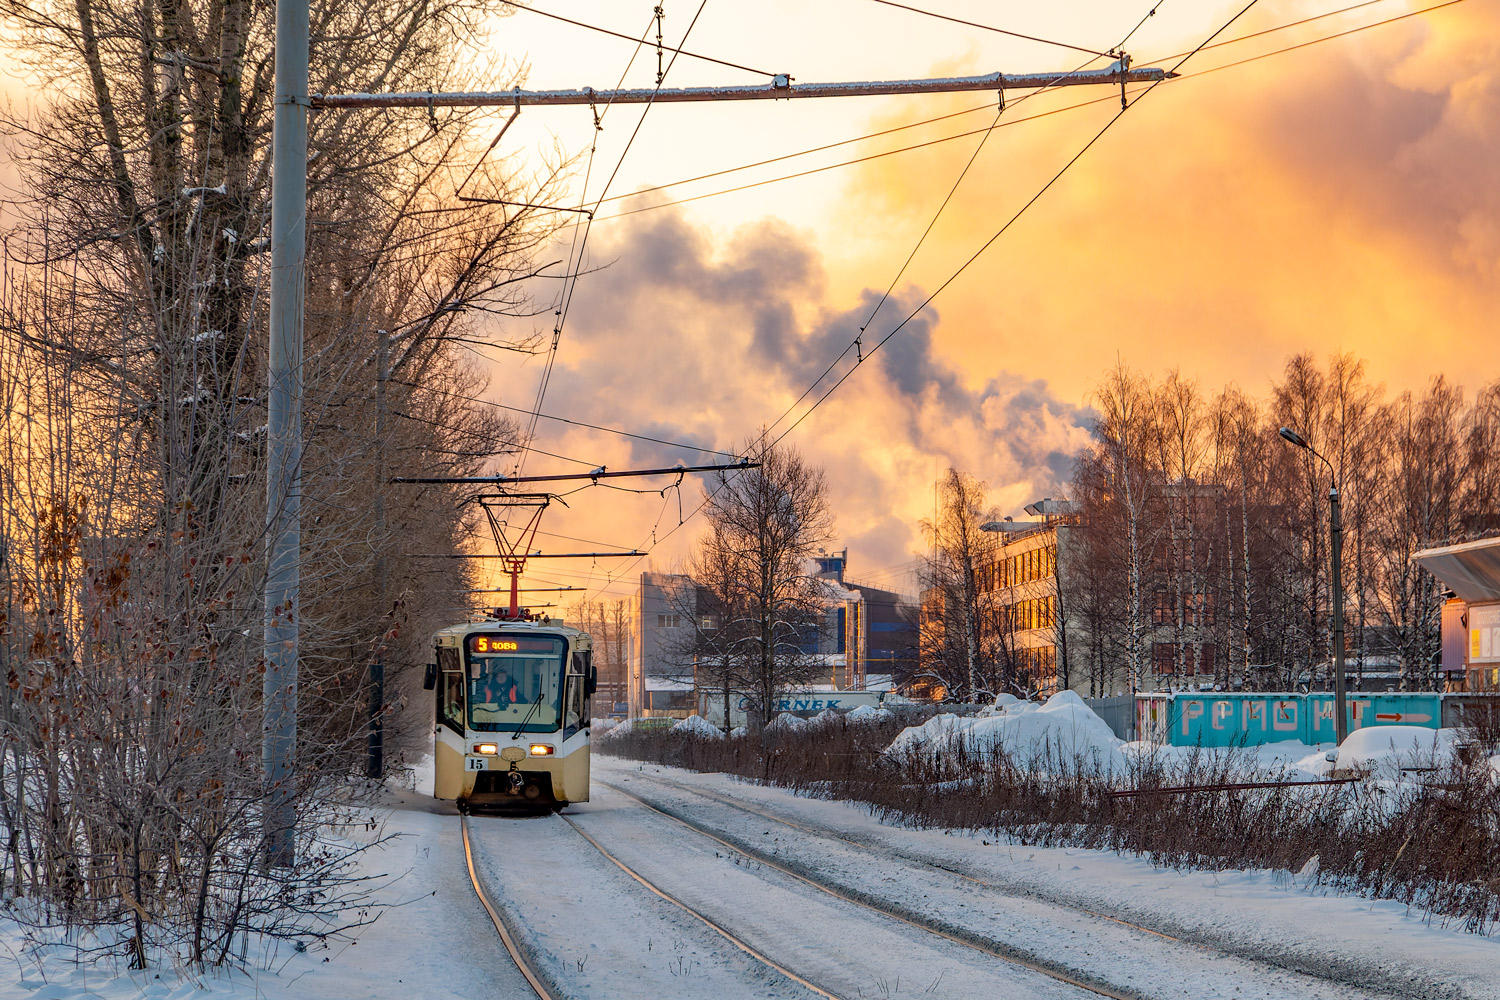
[1471, 569]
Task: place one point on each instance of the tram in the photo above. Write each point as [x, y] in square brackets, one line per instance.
[512, 713]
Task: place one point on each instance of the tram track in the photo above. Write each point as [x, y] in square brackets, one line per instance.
[726, 934]
[540, 987]
[984, 947]
[826, 833]
[1341, 980]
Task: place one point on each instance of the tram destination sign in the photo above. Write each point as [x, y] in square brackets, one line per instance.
[491, 644]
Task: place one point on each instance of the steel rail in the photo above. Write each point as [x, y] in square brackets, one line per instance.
[729, 936]
[985, 948]
[541, 989]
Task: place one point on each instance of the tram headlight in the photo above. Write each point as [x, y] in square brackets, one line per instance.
[490, 748]
[541, 750]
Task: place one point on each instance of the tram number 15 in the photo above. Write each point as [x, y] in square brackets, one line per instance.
[476, 764]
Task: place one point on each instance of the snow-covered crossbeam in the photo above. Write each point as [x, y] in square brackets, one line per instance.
[780, 88]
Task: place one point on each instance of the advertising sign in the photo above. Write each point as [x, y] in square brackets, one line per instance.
[1484, 634]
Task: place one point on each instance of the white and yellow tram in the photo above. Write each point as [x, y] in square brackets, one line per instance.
[513, 702]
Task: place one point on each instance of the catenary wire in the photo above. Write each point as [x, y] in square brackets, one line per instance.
[1011, 221]
[989, 27]
[571, 276]
[1208, 44]
[570, 288]
[961, 135]
[565, 420]
[1019, 212]
[628, 38]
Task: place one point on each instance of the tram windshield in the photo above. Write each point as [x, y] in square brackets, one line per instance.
[515, 682]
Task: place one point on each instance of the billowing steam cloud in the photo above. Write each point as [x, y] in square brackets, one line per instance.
[691, 338]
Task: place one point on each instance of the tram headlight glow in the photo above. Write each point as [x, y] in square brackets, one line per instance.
[541, 750]
[490, 748]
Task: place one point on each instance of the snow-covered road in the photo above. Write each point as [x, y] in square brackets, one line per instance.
[1110, 923]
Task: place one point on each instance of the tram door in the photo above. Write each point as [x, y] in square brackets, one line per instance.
[449, 748]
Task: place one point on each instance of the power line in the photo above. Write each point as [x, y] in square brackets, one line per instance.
[576, 423]
[570, 288]
[628, 38]
[988, 27]
[1208, 43]
[961, 135]
[1097, 136]
[1009, 222]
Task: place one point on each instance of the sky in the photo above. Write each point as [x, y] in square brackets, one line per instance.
[1339, 196]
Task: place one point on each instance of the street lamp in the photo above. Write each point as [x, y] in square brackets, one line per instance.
[1336, 554]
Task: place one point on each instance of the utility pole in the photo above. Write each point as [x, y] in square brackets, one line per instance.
[1336, 583]
[375, 737]
[1336, 553]
[284, 432]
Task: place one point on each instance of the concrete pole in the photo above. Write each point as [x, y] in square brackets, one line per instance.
[1336, 554]
[375, 734]
[284, 429]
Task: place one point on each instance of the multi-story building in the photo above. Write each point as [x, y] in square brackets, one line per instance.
[865, 635]
[1020, 592]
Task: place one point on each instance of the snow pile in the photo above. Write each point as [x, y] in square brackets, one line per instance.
[698, 727]
[615, 731]
[1032, 734]
[864, 714]
[787, 722]
[937, 730]
[1003, 703]
[1288, 760]
[602, 725]
[1385, 752]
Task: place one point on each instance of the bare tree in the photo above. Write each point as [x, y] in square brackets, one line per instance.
[961, 645]
[767, 522]
[132, 484]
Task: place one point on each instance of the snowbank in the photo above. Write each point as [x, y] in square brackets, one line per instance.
[1385, 752]
[864, 714]
[699, 727]
[788, 722]
[614, 731]
[1289, 760]
[1032, 734]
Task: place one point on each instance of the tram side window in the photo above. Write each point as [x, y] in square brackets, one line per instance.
[450, 691]
[573, 717]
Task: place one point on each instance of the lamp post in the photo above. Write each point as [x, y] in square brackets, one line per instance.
[1336, 557]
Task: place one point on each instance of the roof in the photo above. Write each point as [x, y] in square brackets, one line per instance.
[1471, 570]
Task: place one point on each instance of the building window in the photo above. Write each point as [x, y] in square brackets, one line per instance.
[668, 621]
[1164, 658]
[1161, 608]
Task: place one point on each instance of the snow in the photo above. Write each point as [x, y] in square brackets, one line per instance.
[866, 714]
[614, 732]
[423, 911]
[699, 727]
[1387, 752]
[1288, 760]
[1032, 734]
[1114, 918]
[787, 721]
[1108, 918]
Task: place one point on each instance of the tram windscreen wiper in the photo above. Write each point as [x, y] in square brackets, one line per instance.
[530, 712]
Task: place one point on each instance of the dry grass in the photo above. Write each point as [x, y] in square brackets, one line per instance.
[1431, 842]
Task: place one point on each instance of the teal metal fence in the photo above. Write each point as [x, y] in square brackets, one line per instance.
[1222, 719]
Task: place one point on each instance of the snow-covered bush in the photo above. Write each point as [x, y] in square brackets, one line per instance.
[698, 727]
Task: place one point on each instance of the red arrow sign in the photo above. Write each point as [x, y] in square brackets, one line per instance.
[1402, 717]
